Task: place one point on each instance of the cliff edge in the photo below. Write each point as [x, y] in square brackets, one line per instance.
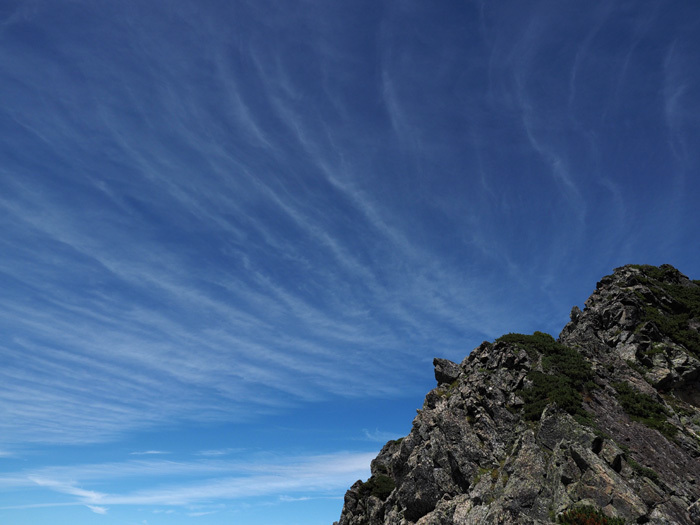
[601, 424]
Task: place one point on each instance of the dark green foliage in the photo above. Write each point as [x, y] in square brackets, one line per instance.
[654, 350]
[382, 469]
[547, 388]
[532, 344]
[379, 486]
[682, 409]
[569, 363]
[673, 319]
[639, 469]
[587, 515]
[643, 471]
[636, 367]
[657, 273]
[644, 408]
[675, 326]
[566, 374]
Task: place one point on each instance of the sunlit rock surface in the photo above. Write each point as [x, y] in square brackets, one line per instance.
[526, 428]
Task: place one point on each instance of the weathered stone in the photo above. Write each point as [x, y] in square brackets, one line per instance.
[694, 511]
[446, 372]
[556, 426]
[612, 454]
[650, 493]
[472, 457]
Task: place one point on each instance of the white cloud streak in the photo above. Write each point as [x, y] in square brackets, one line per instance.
[191, 239]
[380, 436]
[205, 482]
[249, 327]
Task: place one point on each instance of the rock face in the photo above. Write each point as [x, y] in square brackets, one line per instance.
[527, 428]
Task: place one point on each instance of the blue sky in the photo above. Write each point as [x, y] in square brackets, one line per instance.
[235, 234]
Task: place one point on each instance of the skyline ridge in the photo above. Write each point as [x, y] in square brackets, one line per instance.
[250, 226]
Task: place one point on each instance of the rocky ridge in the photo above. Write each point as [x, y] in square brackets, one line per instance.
[605, 419]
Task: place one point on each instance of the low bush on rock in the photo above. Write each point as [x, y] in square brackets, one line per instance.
[587, 515]
[379, 486]
[539, 342]
[673, 319]
[565, 375]
[644, 409]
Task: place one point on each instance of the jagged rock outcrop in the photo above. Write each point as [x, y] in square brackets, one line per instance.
[527, 428]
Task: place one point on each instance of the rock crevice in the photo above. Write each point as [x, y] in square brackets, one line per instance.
[527, 428]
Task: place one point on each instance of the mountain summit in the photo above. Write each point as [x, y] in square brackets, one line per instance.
[602, 424]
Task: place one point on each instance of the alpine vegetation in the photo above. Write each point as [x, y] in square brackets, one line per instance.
[600, 426]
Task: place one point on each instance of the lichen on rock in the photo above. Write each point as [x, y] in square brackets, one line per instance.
[528, 428]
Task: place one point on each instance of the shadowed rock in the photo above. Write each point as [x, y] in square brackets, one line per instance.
[526, 427]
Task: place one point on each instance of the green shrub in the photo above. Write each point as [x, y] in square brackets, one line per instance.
[587, 515]
[644, 408]
[566, 374]
[379, 486]
[675, 326]
[680, 408]
[539, 342]
[639, 469]
[643, 471]
[636, 366]
[656, 273]
[547, 388]
[672, 320]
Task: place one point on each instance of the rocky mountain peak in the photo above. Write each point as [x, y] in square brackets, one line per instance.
[601, 424]
[647, 316]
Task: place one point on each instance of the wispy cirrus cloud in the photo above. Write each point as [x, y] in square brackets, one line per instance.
[218, 452]
[188, 237]
[380, 436]
[234, 282]
[209, 482]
